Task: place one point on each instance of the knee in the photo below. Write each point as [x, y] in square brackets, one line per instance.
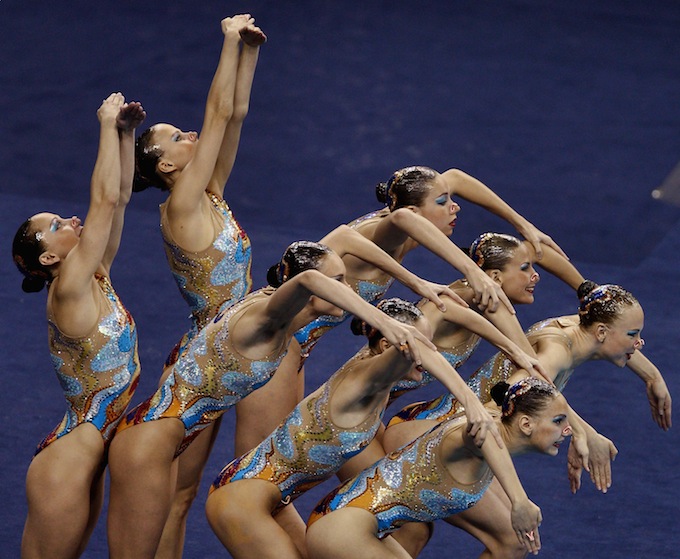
[506, 547]
[183, 499]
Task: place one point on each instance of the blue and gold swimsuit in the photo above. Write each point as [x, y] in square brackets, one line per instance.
[308, 447]
[98, 372]
[209, 377]
[214, 278]
[411, 484]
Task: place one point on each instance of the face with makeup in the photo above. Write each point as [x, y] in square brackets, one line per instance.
[620, 339]
[547, 428]
[59, 235]
[177, 147]
[438, 207]
[518, 278]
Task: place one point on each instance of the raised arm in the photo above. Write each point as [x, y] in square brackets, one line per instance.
[252, 38]
[473, 190]
[289, 299]
[87, 256]
[344, 240]
[188, 192]
[487, 292]
[553, 262]
[131, 115]
[657, 392]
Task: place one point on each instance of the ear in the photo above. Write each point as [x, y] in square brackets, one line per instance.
[496, 275]
[601, 332]
[48, 258]
[165, 166]
[383, 344]
[526, 425]
[414, 209]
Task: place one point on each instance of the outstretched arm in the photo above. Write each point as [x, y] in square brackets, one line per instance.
[487, 292]
[553, 262]
[131, 115]
[525, 515]
[657, 392]
[188, 192]
[473, 190]
[345, 240]
[289, 299]
[252, 37]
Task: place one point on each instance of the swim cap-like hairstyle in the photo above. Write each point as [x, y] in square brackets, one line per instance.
[147, 154]
[298, 257]
[26, 250]
[493, 251]
[529, 396]
[602, 303]
[400, 310]
[406, 187]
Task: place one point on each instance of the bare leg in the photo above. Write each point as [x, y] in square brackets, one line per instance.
[143, 480]
[260, 413]
[64, 491]
[489, 522]
[240, 514]
[189, 473]
[328, 537]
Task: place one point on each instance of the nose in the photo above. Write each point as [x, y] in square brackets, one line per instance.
[535, 277]
[639, 343]
[193, 136]
[566, 432]
[75, 221]
[455, 208]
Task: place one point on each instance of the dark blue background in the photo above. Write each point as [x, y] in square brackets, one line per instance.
[570, 111]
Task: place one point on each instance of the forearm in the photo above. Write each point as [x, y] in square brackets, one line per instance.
[244, 80]
[558, 266]
[435, 364]
[501, 465]
[106, 175]
[644, 368]
[127, 165]
[476, 192]
[220, 100]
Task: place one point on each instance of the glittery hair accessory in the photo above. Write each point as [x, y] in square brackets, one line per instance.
[519, 389]
[476, 248]
[282, 272]
[601, 294]
[39, 236]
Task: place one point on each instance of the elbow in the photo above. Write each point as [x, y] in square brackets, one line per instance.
[240, 111]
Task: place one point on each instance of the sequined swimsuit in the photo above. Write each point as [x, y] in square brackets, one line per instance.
[411, 484]
[98, 372]
[307, 448]
[209, 377]
[369, 291]
[498, 368]
[211, 279]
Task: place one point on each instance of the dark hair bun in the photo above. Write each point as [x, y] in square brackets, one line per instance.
[32, 284]
[357, 327]
[381, 192]
[585, 288]
[498, 392]
[273, 276]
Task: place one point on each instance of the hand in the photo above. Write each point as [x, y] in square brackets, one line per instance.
[110, 107]
[252, 36]
[535, 236]
[529, 363]
[432, 291]
[480, 422]
[403, 337]
[601, 454]
[130, 116]
[487, 292]
[234, 24]
[575, 465]
[526, 518]
[660, 403]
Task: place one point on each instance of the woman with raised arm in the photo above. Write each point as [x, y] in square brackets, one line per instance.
[229, 358]
[607, 327]
[442, 473]
[327, 428]
[208, 252]
[92, 339]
